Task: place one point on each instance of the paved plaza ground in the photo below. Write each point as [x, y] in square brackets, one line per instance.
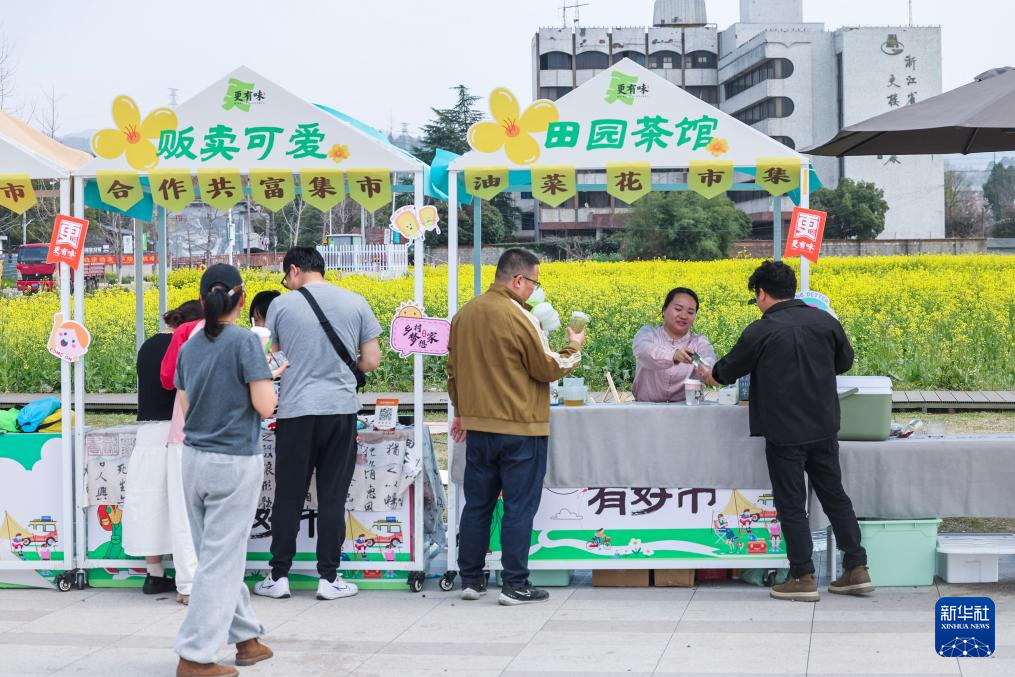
[716, 629]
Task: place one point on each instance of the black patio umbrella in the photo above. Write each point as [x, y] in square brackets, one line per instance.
[975, 118]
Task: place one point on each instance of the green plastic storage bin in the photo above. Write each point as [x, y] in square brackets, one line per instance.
[900, 552]
[866, 406]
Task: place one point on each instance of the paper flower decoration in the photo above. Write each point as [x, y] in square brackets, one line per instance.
[511, 131]
[338, 153]
[717, 147]
[131, 135]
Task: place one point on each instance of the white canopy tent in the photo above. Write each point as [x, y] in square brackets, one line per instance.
[593, 126]
[258, 122]
[26, 151]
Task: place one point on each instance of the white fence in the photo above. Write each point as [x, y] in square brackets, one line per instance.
[390, 259]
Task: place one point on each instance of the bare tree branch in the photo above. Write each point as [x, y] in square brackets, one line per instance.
[49, 118]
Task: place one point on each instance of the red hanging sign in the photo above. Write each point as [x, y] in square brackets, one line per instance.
[806, 229]
[68, 240]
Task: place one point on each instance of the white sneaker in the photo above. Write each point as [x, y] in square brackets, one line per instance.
[269, 587]
[339, 588]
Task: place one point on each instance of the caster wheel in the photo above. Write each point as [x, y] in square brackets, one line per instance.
[415, 581]
[80, 581]
[447, 582]
[64, 583]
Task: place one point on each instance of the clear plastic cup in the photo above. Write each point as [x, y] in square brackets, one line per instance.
[694, 391]
[578, 322]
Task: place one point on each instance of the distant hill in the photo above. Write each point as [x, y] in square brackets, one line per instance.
[79, 140]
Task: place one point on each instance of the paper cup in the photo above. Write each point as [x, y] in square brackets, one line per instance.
[264, 334]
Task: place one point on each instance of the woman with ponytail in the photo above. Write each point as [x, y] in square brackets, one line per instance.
[154, 516]
[224, 389]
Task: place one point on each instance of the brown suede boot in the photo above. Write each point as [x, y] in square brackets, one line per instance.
[856, 581]
[251, 651]
[191, 669]
[803, 589]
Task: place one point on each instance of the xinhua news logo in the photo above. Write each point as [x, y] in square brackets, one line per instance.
[965, 627]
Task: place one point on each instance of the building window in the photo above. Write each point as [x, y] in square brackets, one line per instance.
[597, 199]
[701, 59]
[786, 141]
[772, 107]
[553, 93]
[636, 57]
[706, 94]
[740, 196]
[554, 61]
[592, 61]
[773, 69]
[665, 60]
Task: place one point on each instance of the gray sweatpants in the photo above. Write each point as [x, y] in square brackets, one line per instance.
[221, 492]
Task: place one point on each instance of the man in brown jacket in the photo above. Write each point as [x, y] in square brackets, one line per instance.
[499, 368]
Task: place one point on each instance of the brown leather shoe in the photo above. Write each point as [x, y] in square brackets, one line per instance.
[251, 651]
[191, 669]
[856, 581]
[803, 589]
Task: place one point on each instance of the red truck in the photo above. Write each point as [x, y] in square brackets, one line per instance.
[34, 274]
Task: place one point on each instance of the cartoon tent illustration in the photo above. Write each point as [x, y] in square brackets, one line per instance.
[353, 528]
[738, 503]
[732, 528]
[9, 529]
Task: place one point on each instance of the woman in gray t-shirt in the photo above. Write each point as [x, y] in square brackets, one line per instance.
[224, 382]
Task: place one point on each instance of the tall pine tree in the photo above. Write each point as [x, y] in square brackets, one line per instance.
[449, 129]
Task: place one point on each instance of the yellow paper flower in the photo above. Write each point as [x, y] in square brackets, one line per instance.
[717, 147]
[512, 131]
[133, 136]
[338, 153]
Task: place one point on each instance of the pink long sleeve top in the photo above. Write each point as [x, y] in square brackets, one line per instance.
[658, 378]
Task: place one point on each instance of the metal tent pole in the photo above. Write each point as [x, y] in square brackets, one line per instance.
[477, 248]
[81, 550]
[777, 227]
[417, 373]
[139, 334]
[66, 399]
[452, 309]
[805, 202]
[162, 252]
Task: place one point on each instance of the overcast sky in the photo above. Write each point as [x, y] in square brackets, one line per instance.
[383, 61]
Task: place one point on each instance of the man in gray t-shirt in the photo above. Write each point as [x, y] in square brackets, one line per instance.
[317, 382]
[316, 423]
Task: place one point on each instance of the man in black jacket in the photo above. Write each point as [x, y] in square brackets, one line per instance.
[793, 354]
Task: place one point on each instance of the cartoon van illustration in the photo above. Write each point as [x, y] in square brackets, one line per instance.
[387, 530]
[43, 531]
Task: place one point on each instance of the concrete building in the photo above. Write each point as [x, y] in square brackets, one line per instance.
[795, 81]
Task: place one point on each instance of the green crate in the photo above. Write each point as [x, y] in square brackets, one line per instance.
[545, 578]
[900, 552]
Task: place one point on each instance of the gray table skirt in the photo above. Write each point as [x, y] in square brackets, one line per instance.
[673, 445]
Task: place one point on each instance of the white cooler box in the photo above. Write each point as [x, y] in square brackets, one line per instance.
[866, 406]
[972, 558]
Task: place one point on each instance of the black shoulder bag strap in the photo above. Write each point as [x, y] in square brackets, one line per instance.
[343, 354]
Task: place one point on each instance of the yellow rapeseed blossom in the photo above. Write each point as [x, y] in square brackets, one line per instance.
[929, 322]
